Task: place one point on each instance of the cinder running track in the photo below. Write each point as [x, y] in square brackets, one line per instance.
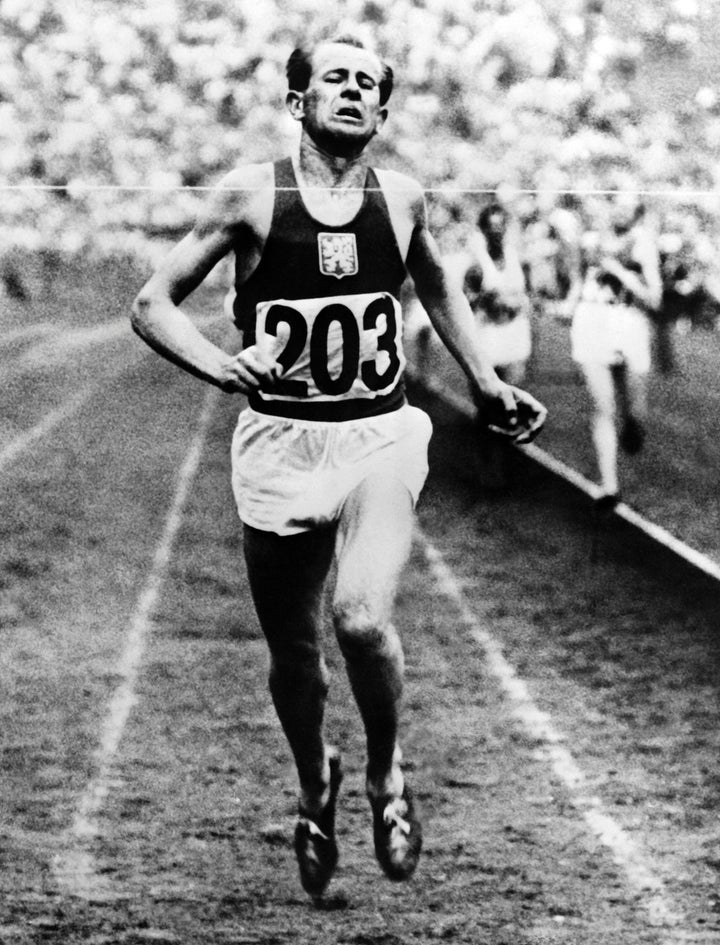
[561, 714]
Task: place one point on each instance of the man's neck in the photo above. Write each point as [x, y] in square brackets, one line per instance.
[319, 168]
[332, 185]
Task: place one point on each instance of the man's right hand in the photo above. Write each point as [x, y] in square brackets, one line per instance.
[244, 372]
[255, 366]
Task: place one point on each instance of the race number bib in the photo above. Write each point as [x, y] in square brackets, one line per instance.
[338, 348]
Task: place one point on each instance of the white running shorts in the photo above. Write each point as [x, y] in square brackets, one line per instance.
[611, 334]
[290, 475]
[506, 342]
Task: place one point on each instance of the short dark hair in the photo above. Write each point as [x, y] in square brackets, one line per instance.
[299, 65]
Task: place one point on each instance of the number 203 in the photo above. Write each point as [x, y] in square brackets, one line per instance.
[351, 367]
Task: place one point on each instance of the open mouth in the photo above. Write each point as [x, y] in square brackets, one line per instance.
[348, 111]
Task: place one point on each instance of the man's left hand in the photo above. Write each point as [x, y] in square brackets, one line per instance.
[515, 414]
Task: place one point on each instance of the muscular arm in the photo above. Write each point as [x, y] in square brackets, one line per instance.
[451, 315]
[234, 218]
[450, 312]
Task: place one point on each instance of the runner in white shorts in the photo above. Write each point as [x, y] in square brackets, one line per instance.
[328, 459]
[291, 475]
[607, 332]
[495, 284]
[611, 336]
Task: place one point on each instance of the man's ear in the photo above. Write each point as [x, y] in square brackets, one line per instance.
[381, 119]
[295, 102]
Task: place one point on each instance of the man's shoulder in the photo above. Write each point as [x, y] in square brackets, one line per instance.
[397, 183]
[405, 203]
[243, 196]
[404, 196]
[247, 179]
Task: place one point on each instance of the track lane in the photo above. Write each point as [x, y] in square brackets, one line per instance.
[199, 823]
[79, 514]
[74, 868]
[195, 832]
[621, 650]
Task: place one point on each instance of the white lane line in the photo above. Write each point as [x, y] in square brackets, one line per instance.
[27, 333]
[23, 441]
[65, 343]
[556, 466]
[67, 340]
[74, 868]
[643, 880]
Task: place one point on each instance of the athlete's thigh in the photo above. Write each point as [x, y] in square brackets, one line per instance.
[287, 575]
[373, 544]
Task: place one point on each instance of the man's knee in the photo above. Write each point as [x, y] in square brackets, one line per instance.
[297, 665]
[362, 630]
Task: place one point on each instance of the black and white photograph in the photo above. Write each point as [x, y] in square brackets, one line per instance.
[359, 462]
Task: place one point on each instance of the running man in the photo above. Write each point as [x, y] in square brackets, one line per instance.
[496, 288]
[328, 459]
[495, 285]
[616, 292]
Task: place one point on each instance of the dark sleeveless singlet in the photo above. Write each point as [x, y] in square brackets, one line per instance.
[307, 260]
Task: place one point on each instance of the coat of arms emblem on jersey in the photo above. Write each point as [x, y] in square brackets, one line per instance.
[338, 254]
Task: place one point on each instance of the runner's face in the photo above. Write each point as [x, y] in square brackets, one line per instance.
[496, 225]
[341, 105]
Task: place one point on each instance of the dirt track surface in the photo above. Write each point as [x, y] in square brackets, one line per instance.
[192, 819]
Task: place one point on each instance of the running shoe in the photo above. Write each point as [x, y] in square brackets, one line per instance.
[606, 504]
[315, 845]
[397, 833]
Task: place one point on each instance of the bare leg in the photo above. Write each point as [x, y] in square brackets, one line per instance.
[372, 547]
[287, 576]
[632, 396]
[601, 386]
[635, 392]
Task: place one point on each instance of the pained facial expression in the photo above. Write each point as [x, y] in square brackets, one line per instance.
[340, 109]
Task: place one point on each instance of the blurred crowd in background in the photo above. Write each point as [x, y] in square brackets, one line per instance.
[114, 118]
